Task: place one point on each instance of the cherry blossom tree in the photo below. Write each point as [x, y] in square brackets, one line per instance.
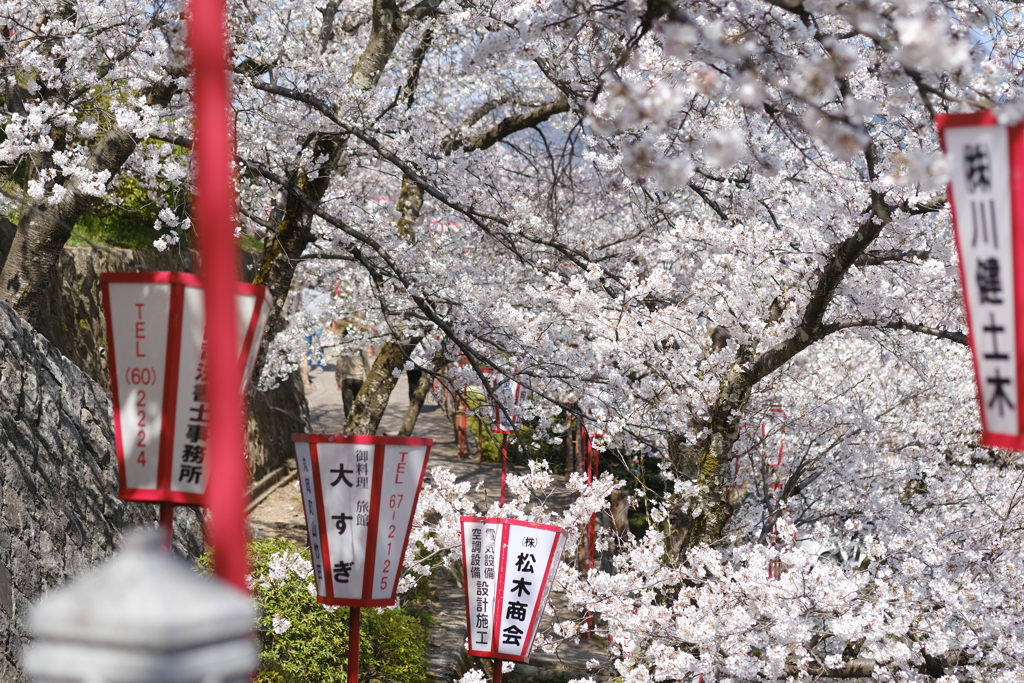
[714, 231]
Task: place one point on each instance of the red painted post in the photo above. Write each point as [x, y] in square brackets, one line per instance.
[214, 207]
[167, 524]
[504, 466]
[354, 619]
[586, 447]
[496, 666]
[460, 430]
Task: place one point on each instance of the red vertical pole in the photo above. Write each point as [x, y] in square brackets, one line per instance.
[588, 463]
[496, 666]
[504, 466]
[592, 465]
[167, 524]
[353, 644]
[213, 214]
[460, 428]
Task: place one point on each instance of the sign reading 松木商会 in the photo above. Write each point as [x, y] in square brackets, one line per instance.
[509, 568]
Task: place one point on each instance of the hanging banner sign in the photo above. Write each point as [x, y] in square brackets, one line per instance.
[986, 168]
[509, 569]
[359, 494]
[158, 376]
[506, 394]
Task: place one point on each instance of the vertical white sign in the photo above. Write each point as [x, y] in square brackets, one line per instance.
[481, 548]
[524, 587]
[346, 501]
[509, 569]
[192, 413]
[246, 302]
[139, 322]
[979, 159]
[401, 473]
[307, 486]
[625, 640]
[359, 497]
[506, 396]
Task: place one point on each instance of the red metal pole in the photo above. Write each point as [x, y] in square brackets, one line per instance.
[504, 466]
[213, 214]
[592, 452]
[586, 449]
[463, 436]
[496, 666]
[167, 524]
[353, 644]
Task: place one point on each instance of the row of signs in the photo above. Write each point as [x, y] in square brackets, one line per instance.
[359, 493]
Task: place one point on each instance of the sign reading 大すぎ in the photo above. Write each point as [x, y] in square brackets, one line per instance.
[359, 494]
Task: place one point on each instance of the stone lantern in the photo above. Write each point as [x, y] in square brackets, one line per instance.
[143, 617]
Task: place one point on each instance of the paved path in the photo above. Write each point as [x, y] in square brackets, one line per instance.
[281, 515]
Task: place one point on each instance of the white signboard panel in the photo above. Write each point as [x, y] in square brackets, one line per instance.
[505, 613]
[362, 491]
[980, 182]
[304, 463]
[157, 356]
[140, 333]
[986, 181]
[400, 484]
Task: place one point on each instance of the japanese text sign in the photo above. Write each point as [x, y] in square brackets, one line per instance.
[987, 169]
[509, 569]
[158, 378]
[506, 394]
[359, 494]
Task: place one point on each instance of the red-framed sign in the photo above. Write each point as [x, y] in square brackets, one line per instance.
[509, 568]
[157, 355]
[359, 494]
[986, 173]
[506, 395]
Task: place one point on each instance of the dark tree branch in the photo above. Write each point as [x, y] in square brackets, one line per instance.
[45, 227]
[510, 125]
[955, 337]
[877, 257]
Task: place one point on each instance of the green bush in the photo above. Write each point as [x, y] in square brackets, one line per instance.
[306, 642]
[128, 223]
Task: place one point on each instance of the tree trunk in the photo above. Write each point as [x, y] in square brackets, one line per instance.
[284, 245]
[419, 395]
[45, 228]
[620, 515]
[372, 399]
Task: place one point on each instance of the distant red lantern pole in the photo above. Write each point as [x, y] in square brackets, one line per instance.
[505, 422]
[213, 211]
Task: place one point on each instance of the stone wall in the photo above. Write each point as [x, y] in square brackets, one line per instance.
[59, 510]
[73, 320]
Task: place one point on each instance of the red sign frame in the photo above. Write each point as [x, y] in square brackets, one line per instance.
[178, 281]
[379, 443]
[1015, 138]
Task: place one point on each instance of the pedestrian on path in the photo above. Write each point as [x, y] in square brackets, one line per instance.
[350, 372]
